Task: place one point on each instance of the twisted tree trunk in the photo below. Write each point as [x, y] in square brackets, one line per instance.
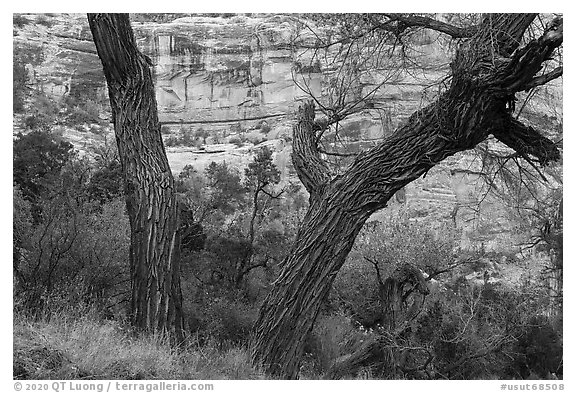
[487, 70]
[149, 185]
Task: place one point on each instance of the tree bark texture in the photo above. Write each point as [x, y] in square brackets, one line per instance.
[150, 194]
[488, 69]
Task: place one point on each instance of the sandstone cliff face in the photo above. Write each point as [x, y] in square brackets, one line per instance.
[228, 75]
[215, 69]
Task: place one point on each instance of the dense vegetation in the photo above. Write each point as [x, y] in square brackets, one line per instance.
[71, 239]
[403, 305]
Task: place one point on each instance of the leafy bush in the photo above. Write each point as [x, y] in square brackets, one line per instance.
[462, 330]
[106, 183]
[44, 21]
[230, 321]
[86, 113]
[236, 141]
[202, 134]
[44, 115]
[38, 159]
[185, 139]
[538, 349]
[389, 244]
[264, 127]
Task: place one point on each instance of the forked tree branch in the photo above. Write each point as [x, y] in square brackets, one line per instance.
[518, 72]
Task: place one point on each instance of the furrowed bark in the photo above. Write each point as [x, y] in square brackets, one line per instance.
[474, 107]
[149, 184]
[310, 167]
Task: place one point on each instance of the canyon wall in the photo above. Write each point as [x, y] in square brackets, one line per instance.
[235, 76]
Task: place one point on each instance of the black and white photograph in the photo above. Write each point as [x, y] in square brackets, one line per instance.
[201, 197]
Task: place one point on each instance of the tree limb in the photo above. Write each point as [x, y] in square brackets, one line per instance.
[433, 24]
[525, 140]
[518, 72]
[455, 123]
[310, 167]
[543, 79]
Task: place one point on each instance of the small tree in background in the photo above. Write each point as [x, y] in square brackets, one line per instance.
[201, 133]
[261, 176]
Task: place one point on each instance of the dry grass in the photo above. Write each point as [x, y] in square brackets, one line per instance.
[66, 347]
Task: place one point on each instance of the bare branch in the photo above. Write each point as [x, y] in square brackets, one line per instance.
[273, 196]
[448, 268]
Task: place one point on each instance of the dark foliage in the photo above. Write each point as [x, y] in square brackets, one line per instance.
[107, 183]
[38, 159]
[20, 20]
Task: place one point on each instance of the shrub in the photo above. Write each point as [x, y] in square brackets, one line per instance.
[538, 349]
[74, 256]
[463, 331]
[88, 112]
[230, 321]
[311, 68]
[43, 20]
[19, 20]
[390, 244]
[264, 127]
[44, 115]
[38, 159]
[333, 336]
[236, 141]
[106, 183]
[171, 141]
[201, 133]
[185, 139]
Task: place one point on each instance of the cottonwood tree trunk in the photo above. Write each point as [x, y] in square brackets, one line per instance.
[156, 303]
[486, 72]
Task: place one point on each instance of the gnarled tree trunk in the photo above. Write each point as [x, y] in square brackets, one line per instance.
[487, 71]
[149, 185]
